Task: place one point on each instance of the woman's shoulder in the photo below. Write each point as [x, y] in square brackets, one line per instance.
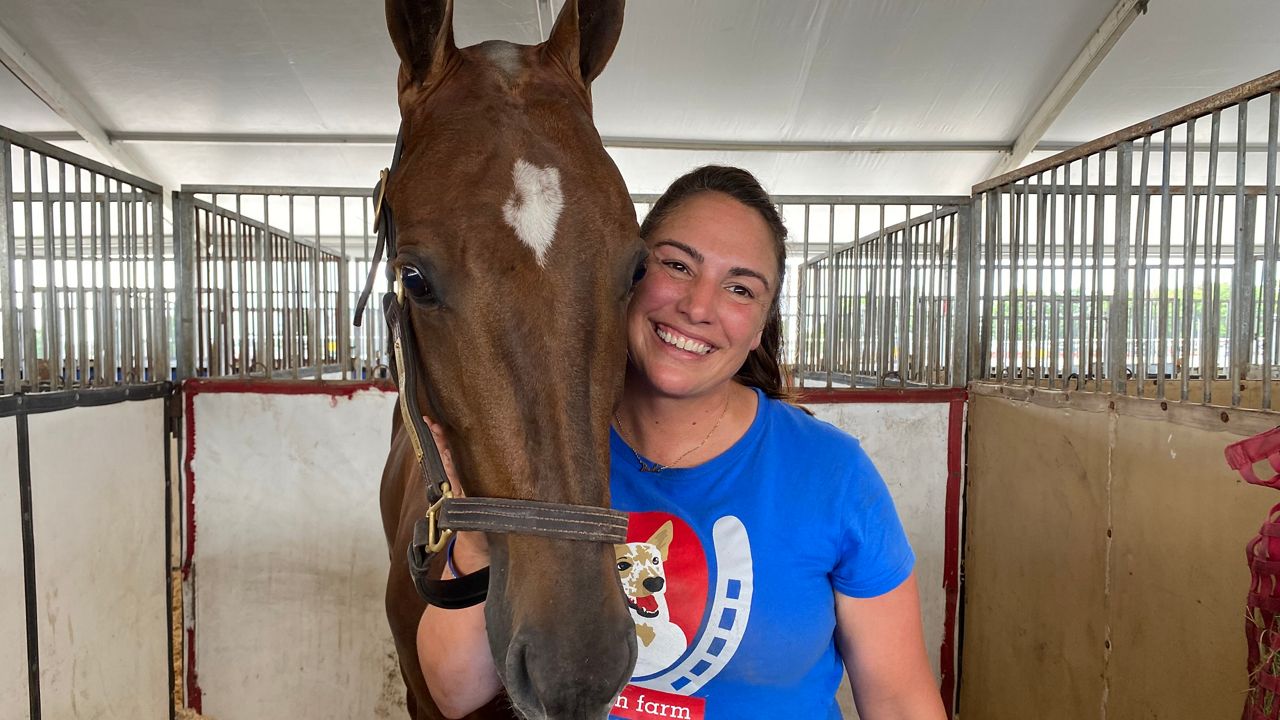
[819, 460]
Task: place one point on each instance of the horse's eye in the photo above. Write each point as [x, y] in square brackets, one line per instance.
[415, 285]
[641, 268]
[624, 566]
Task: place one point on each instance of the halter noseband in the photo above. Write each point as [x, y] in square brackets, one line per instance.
[447, 514]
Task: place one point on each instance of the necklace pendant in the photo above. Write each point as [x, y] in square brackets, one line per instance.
[650, 467]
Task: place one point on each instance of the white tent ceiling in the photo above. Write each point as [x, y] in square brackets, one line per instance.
[287, 92]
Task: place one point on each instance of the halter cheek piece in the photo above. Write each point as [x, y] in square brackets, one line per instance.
[447, 514]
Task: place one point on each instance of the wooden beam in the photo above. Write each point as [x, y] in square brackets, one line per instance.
[1100, 43]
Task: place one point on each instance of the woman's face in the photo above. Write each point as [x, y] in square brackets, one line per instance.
[701, 307]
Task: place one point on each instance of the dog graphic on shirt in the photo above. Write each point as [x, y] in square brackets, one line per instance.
[641, 567]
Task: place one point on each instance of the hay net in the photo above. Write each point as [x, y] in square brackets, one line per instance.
[1262, 609]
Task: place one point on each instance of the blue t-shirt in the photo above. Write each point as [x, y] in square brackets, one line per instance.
[730, 568]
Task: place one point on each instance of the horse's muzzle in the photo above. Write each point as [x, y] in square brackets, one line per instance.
[563, 641]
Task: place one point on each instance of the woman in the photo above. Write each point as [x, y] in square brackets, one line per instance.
[748, 515]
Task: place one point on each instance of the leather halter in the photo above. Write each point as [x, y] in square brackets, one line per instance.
[447, 513]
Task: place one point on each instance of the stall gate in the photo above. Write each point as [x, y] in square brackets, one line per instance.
[85, 620]
[1124, 333]
[84, 439]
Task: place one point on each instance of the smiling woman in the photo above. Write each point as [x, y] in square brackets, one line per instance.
[730, 622]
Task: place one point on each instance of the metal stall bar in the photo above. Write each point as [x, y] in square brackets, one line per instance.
[9, 337]
[31, 375]
[830, 335]
[262, 279]
[317, 301]
[294, 268]
[989, 245]
[1212, 241]
[83, 270]
[159, 296]
[343, 328]
[1097, 370]
[1068, 249]
[1118, 319]
[240, 258]
[1166, 228]
[1189, 209]
[1138, 331]
[49, 302]
[1241, 265]
[961, 367]
[1269, 254]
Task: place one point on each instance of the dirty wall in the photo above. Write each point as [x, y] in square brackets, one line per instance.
[1104, 557]
[97, 635]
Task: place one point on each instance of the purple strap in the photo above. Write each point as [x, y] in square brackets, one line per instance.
[448, 556]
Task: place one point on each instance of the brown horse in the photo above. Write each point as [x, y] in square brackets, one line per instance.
[517, 248]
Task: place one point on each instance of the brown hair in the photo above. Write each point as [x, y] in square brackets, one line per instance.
[762, 368]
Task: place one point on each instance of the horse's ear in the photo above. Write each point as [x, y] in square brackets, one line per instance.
[422, 31]
[585, 35]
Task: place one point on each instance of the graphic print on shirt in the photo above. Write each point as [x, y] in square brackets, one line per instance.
[642, 570]
[691, 608]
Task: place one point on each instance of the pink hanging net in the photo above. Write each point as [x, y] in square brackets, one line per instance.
[1262, 611]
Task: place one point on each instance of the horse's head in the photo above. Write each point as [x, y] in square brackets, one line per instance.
[517, 246]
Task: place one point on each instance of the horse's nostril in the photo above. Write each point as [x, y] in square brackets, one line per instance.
[653, 584]
[518, 684]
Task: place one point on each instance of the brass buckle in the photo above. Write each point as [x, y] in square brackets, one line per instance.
[437, 538]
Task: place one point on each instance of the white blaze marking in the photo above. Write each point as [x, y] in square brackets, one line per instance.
[534, 208]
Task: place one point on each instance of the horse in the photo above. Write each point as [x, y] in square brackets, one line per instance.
[517, 249]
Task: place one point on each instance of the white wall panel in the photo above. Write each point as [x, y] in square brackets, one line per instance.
[908, 444]
[13, 614]
[290, 564]
[98, 513]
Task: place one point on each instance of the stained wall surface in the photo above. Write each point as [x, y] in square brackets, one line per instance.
[290, 563]
[1104, 563]
[13, 619]
[908, 444]
[98, 512]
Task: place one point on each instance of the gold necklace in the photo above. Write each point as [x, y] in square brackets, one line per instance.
[656, 467]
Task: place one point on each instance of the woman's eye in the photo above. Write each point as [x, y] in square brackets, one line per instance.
[741, 291]
[676, 265]
[414, 284]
